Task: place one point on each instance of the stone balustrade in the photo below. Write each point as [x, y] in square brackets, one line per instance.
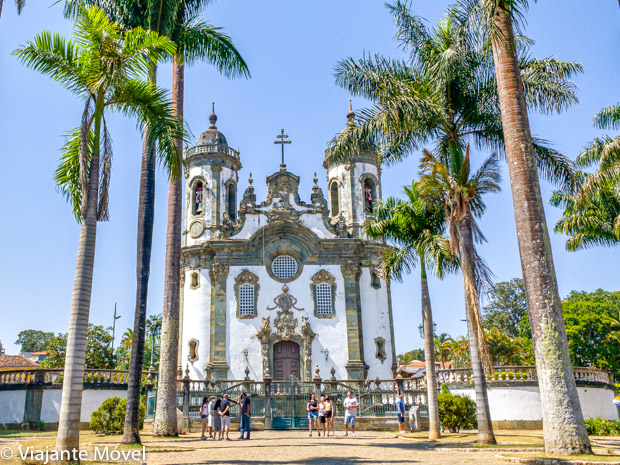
[50, 377]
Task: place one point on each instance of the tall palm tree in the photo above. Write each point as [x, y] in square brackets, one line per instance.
[453, 187]
[18, 3]
[104, 65]
[564, 427]
[445, 92]
[417, 231]
[196, 40]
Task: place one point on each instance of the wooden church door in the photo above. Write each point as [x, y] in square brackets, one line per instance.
[285, 360]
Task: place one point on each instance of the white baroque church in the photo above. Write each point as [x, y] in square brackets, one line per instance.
[281, 286]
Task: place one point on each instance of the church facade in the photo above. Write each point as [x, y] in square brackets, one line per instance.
[277, 287]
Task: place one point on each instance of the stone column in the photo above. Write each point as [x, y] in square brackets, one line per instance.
[217, 354]
[355, 366]
[180, 351]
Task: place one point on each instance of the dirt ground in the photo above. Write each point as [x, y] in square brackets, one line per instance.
[295, 447]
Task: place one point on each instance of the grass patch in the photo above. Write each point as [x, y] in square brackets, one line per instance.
[16, 432]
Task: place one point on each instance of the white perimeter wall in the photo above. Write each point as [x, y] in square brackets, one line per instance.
[523, 403]
[12, 404]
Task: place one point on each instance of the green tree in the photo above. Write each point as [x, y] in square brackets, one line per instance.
[591, 326]
[33, 340]
[417, 230]
[445, 93]
[104, 66]
[493, 21]
[506, 307]
[99, 352]
[443, 347]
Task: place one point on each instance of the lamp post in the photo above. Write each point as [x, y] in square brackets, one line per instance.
[421, 329]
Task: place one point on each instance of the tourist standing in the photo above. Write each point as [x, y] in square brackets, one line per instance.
[225, 415]
[313, 414]
[350, 412]
[322, 415]
[245, 416]
[400, 411]
[204, 413]
[210, 414]
[328, 406]
[217, 419]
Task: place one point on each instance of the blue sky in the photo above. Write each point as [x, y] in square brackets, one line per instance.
[291, 48]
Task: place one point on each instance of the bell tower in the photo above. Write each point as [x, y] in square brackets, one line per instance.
[354, 185]
[211, 185]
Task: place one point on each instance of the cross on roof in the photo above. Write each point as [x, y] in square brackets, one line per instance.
[281, 142]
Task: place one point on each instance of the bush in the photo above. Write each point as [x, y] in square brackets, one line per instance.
[109, 418]
[456, 411]
[601, 427]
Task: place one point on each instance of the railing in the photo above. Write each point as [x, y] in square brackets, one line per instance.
[44, 376]
[516, 374]
[211, 149]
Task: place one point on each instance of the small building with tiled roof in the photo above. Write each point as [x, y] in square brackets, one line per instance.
[12, 362]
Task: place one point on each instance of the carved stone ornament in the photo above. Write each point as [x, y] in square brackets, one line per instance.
[350, 270]
[265, 330]
[323, 276]
[227, 226]
[220, 271]
[246, 277]
[285, 301]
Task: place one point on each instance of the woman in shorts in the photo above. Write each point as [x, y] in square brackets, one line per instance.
[328, 406]
[313, 414]
[322, 421]
[204, 413]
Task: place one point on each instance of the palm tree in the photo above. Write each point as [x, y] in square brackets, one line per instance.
[453, 187]
[18, 3]
[442, 347]
[592, 212]
[104, 66]
[564, 427]
[445, 92]
[196, 40]
[127, 338]
[417, 232]
[153, 326]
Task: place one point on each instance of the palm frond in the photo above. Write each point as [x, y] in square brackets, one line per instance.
[608, 118]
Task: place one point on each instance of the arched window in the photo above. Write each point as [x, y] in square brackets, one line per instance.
[334, 200]
[323, 299]
[231, 201]
[198, 198]
[369, 196]
[323, 290]
[246, 300]
[246, 292]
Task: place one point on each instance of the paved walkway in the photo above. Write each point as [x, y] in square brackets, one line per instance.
[295, 447]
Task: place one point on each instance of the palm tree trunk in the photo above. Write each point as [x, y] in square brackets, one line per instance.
[146, 215]
[466, 256]
[429, 358]
[165, 423]
[563, 425]
[68, 438]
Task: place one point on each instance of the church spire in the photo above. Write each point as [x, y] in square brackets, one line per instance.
[351, 115]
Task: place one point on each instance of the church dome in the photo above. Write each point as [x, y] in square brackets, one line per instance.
[212, 136]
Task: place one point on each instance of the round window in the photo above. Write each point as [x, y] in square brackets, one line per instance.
[284, 267]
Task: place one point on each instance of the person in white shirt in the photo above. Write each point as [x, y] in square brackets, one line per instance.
[350, 411]
[210, 418]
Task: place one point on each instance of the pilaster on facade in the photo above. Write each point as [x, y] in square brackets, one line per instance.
[216, 188]
[351, 272]
[217, 366]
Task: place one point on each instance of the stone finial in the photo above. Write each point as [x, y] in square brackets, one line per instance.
[247, 374]
[187, 371]
[317, 371]
[213, 117]
[315, 179]
[351, 115]
[333, 373]
[251, 180]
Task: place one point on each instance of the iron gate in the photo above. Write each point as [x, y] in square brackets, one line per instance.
[289, 401]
